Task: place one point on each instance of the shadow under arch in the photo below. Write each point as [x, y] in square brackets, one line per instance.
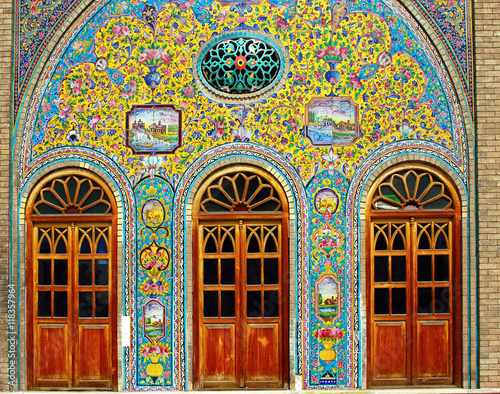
[189, 184]
[363, 180]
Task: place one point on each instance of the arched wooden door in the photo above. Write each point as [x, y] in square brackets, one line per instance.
[413, 276]
[71, 284]
[240, 281]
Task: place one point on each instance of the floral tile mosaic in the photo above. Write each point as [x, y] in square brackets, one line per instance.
[38, 21]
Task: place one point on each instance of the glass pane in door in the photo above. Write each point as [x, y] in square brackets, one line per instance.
[93, 272]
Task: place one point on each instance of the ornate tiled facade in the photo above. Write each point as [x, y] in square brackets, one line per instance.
[357, 83]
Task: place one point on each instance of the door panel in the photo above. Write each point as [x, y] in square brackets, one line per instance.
[219, 276]
[411, 330]
[433, 307]
[263, 355]
[93, 358]
[220, 354]
[51, 297]
[93, 367]
[390, 346]
[52, 342]
[434, 351]
[73, 306]
[390, 299]
[240, 319]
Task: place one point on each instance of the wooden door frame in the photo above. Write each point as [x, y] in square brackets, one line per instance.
[197, 218]
[65, 220]
[456, 253]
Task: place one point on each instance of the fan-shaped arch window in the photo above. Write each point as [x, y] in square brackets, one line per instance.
[412, 190]
[240, 191]
[72, 195]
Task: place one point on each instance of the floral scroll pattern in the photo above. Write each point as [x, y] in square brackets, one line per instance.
[38, 20]
[378, 64]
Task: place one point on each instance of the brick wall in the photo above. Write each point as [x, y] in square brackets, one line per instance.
[6, 12]
[487, 23]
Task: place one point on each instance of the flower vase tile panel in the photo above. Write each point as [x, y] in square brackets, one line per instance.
[331, 317]
[359, 59]
[153, 344]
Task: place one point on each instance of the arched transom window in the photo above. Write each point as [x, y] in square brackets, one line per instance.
[241, 191]
[409, 190]
[72, 195]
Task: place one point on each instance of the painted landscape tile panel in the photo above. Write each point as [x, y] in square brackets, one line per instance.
[327, 302]
[153, 128]
[332, 121]
[154, 320]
